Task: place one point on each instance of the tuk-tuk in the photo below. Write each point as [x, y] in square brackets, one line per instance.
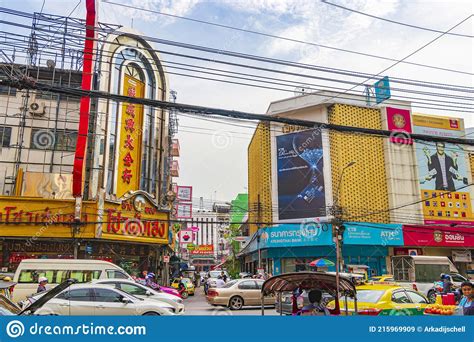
[288, 282]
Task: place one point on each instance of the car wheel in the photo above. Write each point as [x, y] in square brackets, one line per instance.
[185, 294]
[432, 297]
[151, 313]
[236, 303]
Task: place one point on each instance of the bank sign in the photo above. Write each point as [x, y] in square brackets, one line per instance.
[373, 234]
[296, 235]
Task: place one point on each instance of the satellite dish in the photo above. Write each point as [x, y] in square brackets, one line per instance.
[51, 64]
[301, 90]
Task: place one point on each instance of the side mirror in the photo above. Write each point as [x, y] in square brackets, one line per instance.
[125, 300]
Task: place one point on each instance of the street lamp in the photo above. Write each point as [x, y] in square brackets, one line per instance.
[337, 225]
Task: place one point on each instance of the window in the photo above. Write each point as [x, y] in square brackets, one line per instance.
[32, 276]
[400, 297]
[84, 276]
[259, 284]
[6, 90]
[458, 278]
[133, 289]
[113, 274]
[367, 296]
[46, 139]
[5, 136]
[416, 297]
[248, 285]
[77, 295]
[106, 295]
[229, 284]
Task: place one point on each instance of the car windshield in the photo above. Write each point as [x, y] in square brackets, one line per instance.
[229, 284]
[215, 274]
[186, 280]
[368, 296]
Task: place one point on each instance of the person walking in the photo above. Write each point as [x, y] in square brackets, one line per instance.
[42, 281]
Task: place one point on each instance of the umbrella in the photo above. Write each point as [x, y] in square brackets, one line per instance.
[321, 263]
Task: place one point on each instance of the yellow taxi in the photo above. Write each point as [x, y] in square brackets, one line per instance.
[187, 282]
[385, 300]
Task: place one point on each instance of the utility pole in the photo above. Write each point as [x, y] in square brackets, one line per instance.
[258, 232]
[338, 226]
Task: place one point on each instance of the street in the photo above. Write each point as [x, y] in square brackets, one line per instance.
[197, 305]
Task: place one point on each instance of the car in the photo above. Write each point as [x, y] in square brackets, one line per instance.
[238, 293]
[455, 278]
[141, 291]
[385, 300]
[187, 282]
[243, 275]
[101, 300]
[212, 276]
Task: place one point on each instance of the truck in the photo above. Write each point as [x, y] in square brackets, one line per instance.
[420, 272]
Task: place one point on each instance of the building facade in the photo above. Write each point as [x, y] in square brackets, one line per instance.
[390, 189]
[124, 215]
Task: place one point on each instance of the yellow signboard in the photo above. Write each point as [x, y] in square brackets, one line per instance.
[40, 218]
[135, 220]
[130, 139]
[441, 122]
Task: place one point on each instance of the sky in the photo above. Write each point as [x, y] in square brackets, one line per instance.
[214, 154]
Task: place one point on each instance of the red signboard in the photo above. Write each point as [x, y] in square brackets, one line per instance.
[438, 236]
[399, 122]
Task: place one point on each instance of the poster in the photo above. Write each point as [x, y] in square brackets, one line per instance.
[301, 192]
[443, 171]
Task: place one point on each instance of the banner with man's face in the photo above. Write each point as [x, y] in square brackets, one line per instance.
[443, 171]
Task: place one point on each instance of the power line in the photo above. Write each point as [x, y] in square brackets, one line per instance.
[392, 21]
[283, 38]
[412, 53]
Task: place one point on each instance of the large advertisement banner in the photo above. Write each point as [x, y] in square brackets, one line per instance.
[443, 169]
[301, 192]
[438, 236]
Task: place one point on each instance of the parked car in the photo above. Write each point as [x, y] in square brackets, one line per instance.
[100, 300]
[238, 293]
[59, 270]
[141, 291]
[385, 300]
[187, 282]
[455, 278]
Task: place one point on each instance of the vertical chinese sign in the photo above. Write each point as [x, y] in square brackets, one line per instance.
[128, 177]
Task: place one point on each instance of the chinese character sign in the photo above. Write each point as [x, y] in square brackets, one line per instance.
[129, 141]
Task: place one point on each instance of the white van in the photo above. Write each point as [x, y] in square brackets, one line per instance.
[58, 270]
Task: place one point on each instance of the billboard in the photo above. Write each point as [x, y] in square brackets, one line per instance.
[301, 192]
[203, 250]
[184, 193]
[443, 171]
[438, 236]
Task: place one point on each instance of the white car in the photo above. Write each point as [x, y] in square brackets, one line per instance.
[101, 300]
[141, 291]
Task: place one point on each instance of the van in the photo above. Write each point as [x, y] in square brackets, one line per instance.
[420, 272]
[58, 270]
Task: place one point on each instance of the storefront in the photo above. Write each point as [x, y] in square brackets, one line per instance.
[290, 247]
[457, 243]
[131, 233]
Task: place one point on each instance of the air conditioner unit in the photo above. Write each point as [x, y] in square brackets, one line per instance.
[37, 108]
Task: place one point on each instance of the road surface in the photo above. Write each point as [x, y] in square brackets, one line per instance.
[197, 306]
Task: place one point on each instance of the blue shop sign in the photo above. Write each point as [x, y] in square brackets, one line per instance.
[362, 233]
[296, 235]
